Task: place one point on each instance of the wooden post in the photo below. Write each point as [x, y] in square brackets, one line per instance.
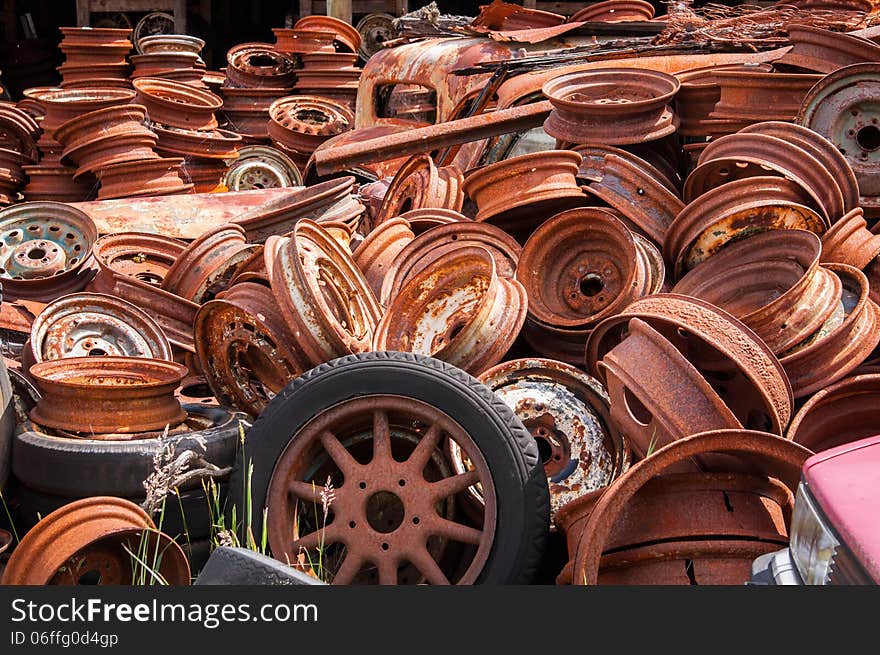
[180, 16]
[83, 15]
[340, 9]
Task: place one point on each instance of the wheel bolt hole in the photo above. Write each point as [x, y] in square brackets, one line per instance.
[362, 485]
[352, 524]
[415, 520]
[402, 483]
[385, 546]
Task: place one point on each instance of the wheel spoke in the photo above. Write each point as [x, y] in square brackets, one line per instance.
[317, 539]
[420, 456]
[307, 491]
[387, 570]
[381, 437]
[422, 560]
[350, 567]
[455, 531]
[340, 456]
[451, 486]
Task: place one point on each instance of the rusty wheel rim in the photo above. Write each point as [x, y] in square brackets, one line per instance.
[385, 511]
[785, 158]
[733, 211]
[248, 67]
[772, 282]
[323, 295]
[567, 413]
[375, 254]
[422, 220]
[456, 309]
[578, 268]
[843, 412]
[613, 106]
[204, 269]
[90, 325]
[840, 345]
[176, 104]
[344, 33]
[302, 123]
[107, 394]
[419, 184]
[244, 347]
[82, 542]
[782, 457]
[45, 247]
[430, 245]
[145, 257]
[818, 147]
[631, 190]
[850, 242]
[843, 108]
[612, 11]
[261, 167]
[746, 374]
[649, 417]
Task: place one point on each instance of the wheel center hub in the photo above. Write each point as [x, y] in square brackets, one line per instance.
[385, 512]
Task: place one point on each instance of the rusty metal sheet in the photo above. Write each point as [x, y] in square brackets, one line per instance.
[182, 216]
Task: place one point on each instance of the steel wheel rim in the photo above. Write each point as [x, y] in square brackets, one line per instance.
[370, 501]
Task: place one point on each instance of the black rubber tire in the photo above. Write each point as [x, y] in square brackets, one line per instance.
[240, 566]
[186, 517]
[78, 468]
[523, 500]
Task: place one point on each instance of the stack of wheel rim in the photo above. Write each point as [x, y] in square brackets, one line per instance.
[330, 74]
[172, 57]
[53, 178]
[93, 55]
[17, 149]
[257, 74]
[299, 124]
[169, 106]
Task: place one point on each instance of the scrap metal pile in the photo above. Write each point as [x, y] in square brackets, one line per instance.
[591, 339]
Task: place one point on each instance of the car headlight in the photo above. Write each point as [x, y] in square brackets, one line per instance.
[813, 544]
